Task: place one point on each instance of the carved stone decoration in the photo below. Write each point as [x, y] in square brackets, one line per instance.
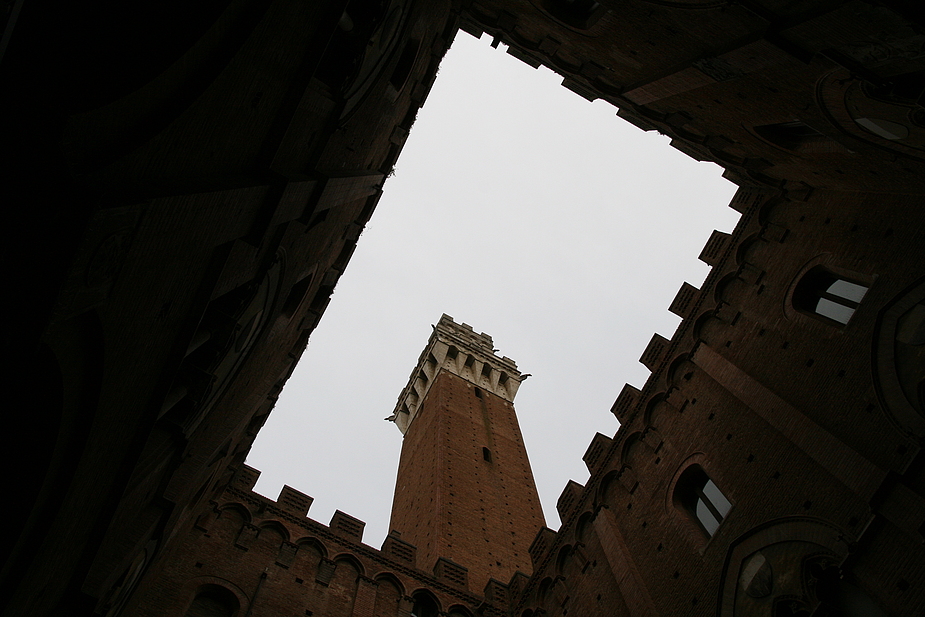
[882, 117]
[757, 577]
[831, 591]
[774, 575]
[899, 360]
[768, 570]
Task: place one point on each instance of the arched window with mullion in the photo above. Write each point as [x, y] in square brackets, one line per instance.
[823, 293]
[700, 497]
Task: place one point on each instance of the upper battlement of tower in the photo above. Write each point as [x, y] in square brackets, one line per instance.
[456, 348]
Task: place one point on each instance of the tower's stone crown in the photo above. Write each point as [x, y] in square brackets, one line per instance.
[463, 352]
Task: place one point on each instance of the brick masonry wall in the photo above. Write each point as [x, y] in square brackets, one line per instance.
[275, 561]
[781, 410]
[449, 501]
[709, 77]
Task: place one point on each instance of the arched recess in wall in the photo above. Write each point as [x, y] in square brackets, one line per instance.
[728, 289]
[640, 453]
[707, 327]
[458, 610]
[570, 563]
[608, 491]
[753, 250]
[389, 593]
[544, 591]
[214, 597]
[275, 527]
[680, 370]
[899, 360]
[310, 553]
[229, 509]
[658, 411]
[313, 544]
[652, 438]
[791, 564]
[780, 210]
[350, 558]
[630, 452]
[390, 579]
[425, 604]
[562, 559]
[342, 577]
[583, 526]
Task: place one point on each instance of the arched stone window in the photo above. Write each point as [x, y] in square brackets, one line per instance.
[824, 294]
[699, 497]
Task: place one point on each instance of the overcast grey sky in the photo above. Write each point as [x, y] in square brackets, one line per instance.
[536, 217]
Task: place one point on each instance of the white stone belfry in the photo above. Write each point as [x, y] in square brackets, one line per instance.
[461, 351]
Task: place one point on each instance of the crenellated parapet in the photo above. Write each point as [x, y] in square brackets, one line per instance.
[459, 350]
[305, 564]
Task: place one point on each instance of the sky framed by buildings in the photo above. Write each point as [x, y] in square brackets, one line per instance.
[529, 213]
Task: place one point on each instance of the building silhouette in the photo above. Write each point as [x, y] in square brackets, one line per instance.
[185, 184]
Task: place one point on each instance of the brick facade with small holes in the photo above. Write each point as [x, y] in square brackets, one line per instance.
[465, 490]
[276, 561]
[790, 414]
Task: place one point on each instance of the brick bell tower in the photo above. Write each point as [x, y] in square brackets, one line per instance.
[465, 491]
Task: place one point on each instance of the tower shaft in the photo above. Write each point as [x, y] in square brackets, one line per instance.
[465, 490]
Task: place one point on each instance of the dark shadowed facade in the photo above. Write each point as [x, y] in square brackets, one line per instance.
[185, 184]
